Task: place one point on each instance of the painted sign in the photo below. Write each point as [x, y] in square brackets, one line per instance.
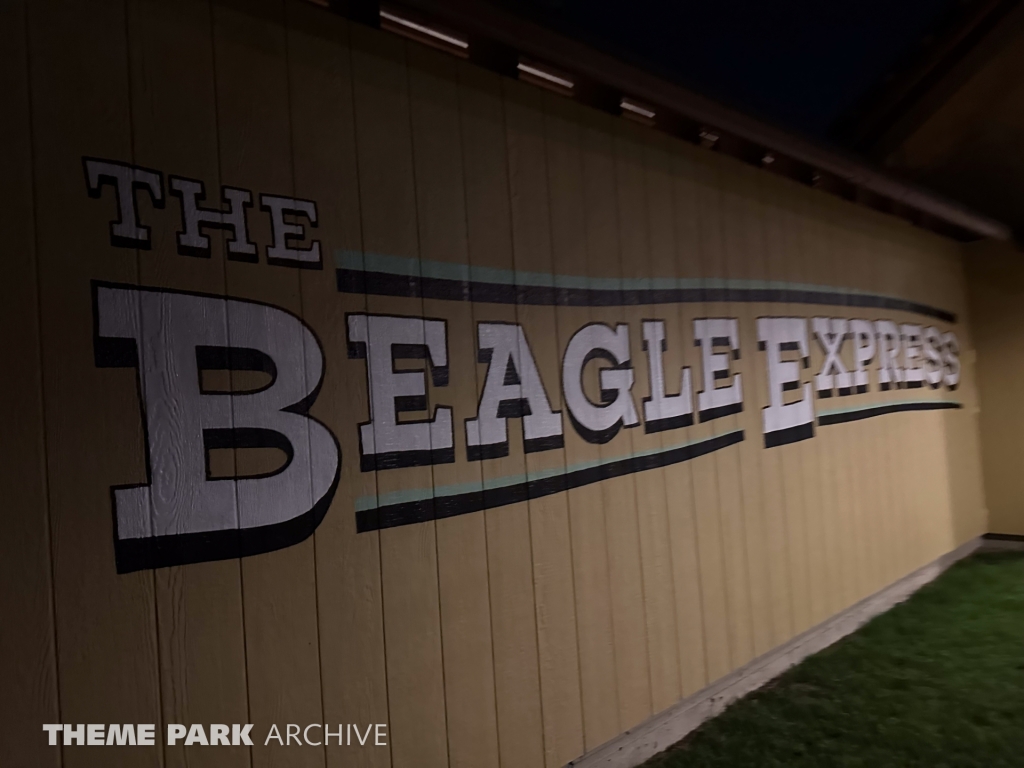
[186, 513]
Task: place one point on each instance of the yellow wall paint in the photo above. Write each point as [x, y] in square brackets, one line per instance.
[996, 281]
[528, 631]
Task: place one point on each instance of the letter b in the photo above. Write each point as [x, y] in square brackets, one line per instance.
[183, 515]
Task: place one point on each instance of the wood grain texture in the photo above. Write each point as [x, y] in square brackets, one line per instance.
[717, 266]
[509, 559]
[28, 663]
[743, 247]
[689, 198]
[649, 488]
[279, 589]
[461, 541]
[412, 623]
[784, 463]
[995, 294]
[669, 236]
[106, 623]
[549, 515]
[629, 627]
[569, 224]
[199, 608]
[826, 509]
[876, 476]
[324, 152]
[806, 271]
[776, 541]
[521, 635]
[851, 272]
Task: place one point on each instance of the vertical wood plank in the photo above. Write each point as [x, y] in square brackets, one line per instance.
[878, 497]
[776, 197]
[727, 474]
[461, 541]
[279, 588]
[107, 645]
[671, 235]
[773, 497]
[549, 518]
[817, 270]
[619, 496]
[649, 487]
[742, 243]
[802, 261]
[412, 623]
[690, 195]
[886, 459]
[199, 607]
[962, 449]
[510, 568]
[28, 664]
[850, 273]
[598, 681]
[349, 601]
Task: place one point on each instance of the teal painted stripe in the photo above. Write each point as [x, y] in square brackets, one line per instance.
[410, 267]
[419, 494]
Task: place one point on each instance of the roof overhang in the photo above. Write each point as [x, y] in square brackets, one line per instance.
[501, 41]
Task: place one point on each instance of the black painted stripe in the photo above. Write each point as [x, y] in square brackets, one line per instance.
[409, 512]
[389, 284]
[788, 435]
[881, 410]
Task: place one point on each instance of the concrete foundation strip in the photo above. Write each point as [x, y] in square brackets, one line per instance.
[664, 729]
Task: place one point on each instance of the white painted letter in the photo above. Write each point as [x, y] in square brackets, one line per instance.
[283, 251]
[951, 359]
[831, 332]
[785, 422]
[715, 402]
[172, 338]
[863, 352]
[384, 443]
[913, 373]
[513, 389]
[890, 373]
[661, 411]
[194, 218]
[599, 423]
[933, 356]
[125, 231]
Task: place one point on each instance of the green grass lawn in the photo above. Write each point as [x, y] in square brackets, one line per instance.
[936, 681]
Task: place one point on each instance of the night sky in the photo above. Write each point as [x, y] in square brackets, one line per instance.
[796, 63]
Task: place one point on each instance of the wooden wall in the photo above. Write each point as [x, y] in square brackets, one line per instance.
[959, 137]
[520, 635]
[996, 286]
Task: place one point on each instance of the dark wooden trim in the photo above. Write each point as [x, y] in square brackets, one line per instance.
[500, 36]
[908, 95]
